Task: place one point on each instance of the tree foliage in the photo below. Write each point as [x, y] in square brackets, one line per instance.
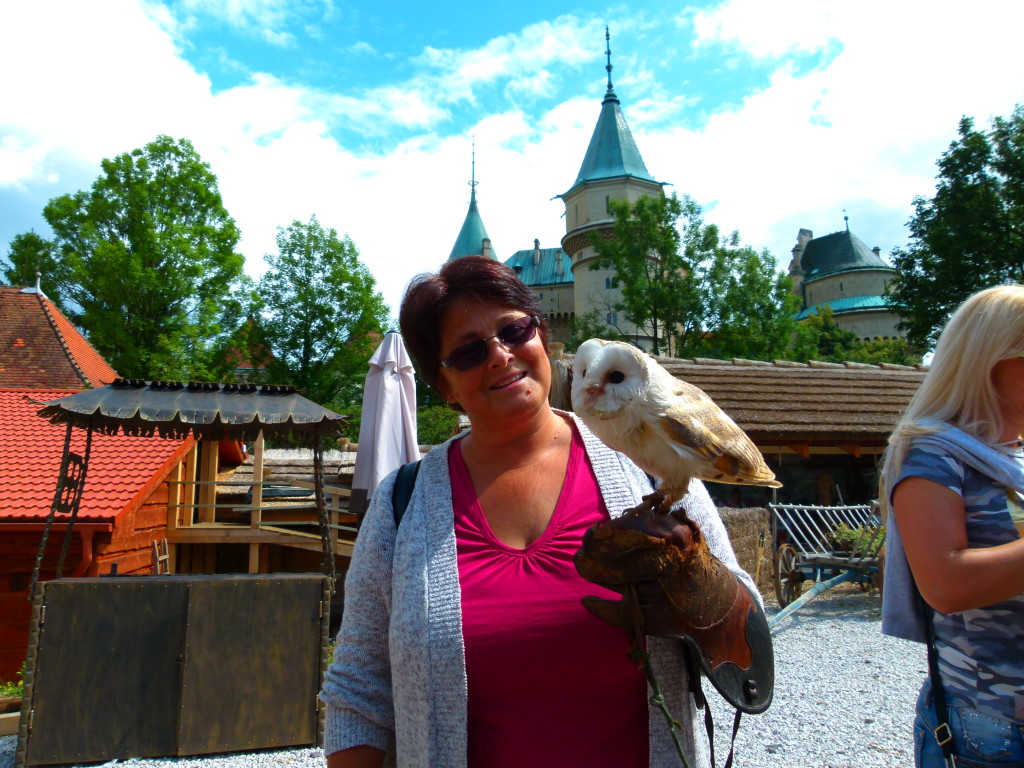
[144, 262]
[644, 251]
[970, 234]
[588, 326]
[682, 283]
[31, 254]
[821, 338]
[320, 314]
[750, 305]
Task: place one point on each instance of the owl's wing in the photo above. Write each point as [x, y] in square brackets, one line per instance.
[693, 421]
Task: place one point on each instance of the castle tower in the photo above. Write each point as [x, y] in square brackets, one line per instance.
[612, 170]
[839, 271]
[472, 239]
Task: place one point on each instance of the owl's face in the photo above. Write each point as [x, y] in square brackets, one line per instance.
[607, 376]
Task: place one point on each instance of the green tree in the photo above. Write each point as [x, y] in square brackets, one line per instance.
[893, 350]
[29, 254]
[320, 313]
[827, 341]
[146, 262]
[970, 234]
[644, 251]
[751, 306]
[588, 326]
[683, 284]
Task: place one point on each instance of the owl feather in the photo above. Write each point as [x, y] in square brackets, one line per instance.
[669, 428]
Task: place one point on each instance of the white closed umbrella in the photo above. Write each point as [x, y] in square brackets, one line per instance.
[387, 432]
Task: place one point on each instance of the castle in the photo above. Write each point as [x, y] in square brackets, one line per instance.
[836, 270]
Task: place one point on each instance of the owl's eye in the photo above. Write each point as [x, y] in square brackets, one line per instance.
[583, 373]
[616, 377]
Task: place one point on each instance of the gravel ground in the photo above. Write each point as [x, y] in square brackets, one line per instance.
[844, 697]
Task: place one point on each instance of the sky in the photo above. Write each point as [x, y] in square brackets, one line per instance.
[772, 115]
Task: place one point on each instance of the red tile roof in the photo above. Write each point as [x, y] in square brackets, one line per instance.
[40, 348]
[121, 474]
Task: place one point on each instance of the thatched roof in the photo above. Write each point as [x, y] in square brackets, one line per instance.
[817, 404]
[806, 407]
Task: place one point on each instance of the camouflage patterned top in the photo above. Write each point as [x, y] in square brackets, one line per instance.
[980, 657]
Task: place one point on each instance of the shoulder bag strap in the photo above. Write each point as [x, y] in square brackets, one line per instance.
[402, 490]
[943, 735]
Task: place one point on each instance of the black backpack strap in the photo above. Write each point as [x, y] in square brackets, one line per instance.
[402, 490]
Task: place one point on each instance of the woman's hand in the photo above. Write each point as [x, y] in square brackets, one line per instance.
[356, 757]
[951, 576]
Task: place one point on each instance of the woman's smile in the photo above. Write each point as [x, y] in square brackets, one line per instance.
[509, 380]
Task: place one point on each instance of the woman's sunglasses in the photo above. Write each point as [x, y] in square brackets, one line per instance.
[475, 352]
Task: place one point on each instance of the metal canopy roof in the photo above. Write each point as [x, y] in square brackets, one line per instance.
[177, 409]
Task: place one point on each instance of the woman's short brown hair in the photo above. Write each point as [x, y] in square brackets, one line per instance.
[429, 295]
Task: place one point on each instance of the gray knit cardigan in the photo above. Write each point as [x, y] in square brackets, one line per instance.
[400, 647]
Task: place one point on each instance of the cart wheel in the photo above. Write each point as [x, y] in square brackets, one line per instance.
[789, 579]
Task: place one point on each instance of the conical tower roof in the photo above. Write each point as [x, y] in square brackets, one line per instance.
[612, 152]
[470, 241]
[472, 235]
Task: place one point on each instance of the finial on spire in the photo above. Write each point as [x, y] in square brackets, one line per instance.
[608, 55]
[472, 178]
[847, 220]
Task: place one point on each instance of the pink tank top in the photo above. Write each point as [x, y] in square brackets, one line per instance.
[549, 683]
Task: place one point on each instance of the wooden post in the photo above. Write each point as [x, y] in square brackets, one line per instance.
[175, 492]
[188, 487]
[255, 514]
[208, 459]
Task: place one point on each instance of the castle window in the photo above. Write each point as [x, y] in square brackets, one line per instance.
[608, 318]
[607, 283]
[607, 205]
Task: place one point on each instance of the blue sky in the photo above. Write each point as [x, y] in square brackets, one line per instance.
[773, 116]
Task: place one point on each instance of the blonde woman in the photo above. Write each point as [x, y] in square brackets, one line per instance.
[953, 477]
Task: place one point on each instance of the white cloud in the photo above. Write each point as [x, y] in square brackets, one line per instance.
[859, 131]
[267, 19]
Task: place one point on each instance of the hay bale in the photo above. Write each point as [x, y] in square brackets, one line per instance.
[750, 531]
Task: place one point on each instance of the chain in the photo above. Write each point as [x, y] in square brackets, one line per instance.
[638, 655]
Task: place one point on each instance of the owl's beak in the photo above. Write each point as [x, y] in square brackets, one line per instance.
[591, 393]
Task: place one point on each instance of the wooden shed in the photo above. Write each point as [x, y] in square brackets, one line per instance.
[120, 517]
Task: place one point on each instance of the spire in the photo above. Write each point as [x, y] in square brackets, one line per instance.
[473, 239]
[472, 175]
[608, 66]
[612, 152]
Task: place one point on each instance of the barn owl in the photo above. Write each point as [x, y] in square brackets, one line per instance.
[669, 428]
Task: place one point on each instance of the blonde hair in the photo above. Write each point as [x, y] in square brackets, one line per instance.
[958, 390]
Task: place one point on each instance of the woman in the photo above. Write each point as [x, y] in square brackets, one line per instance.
[464, 641]
[953, 472]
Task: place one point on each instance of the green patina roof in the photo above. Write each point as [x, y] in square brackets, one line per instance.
[546, 271]
[612, 152]
[849, 304]
[471, 236]
[838, 252]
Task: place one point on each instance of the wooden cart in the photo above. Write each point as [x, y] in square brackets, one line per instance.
[823, 547]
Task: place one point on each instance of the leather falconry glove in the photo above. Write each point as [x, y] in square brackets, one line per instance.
[684, 591]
